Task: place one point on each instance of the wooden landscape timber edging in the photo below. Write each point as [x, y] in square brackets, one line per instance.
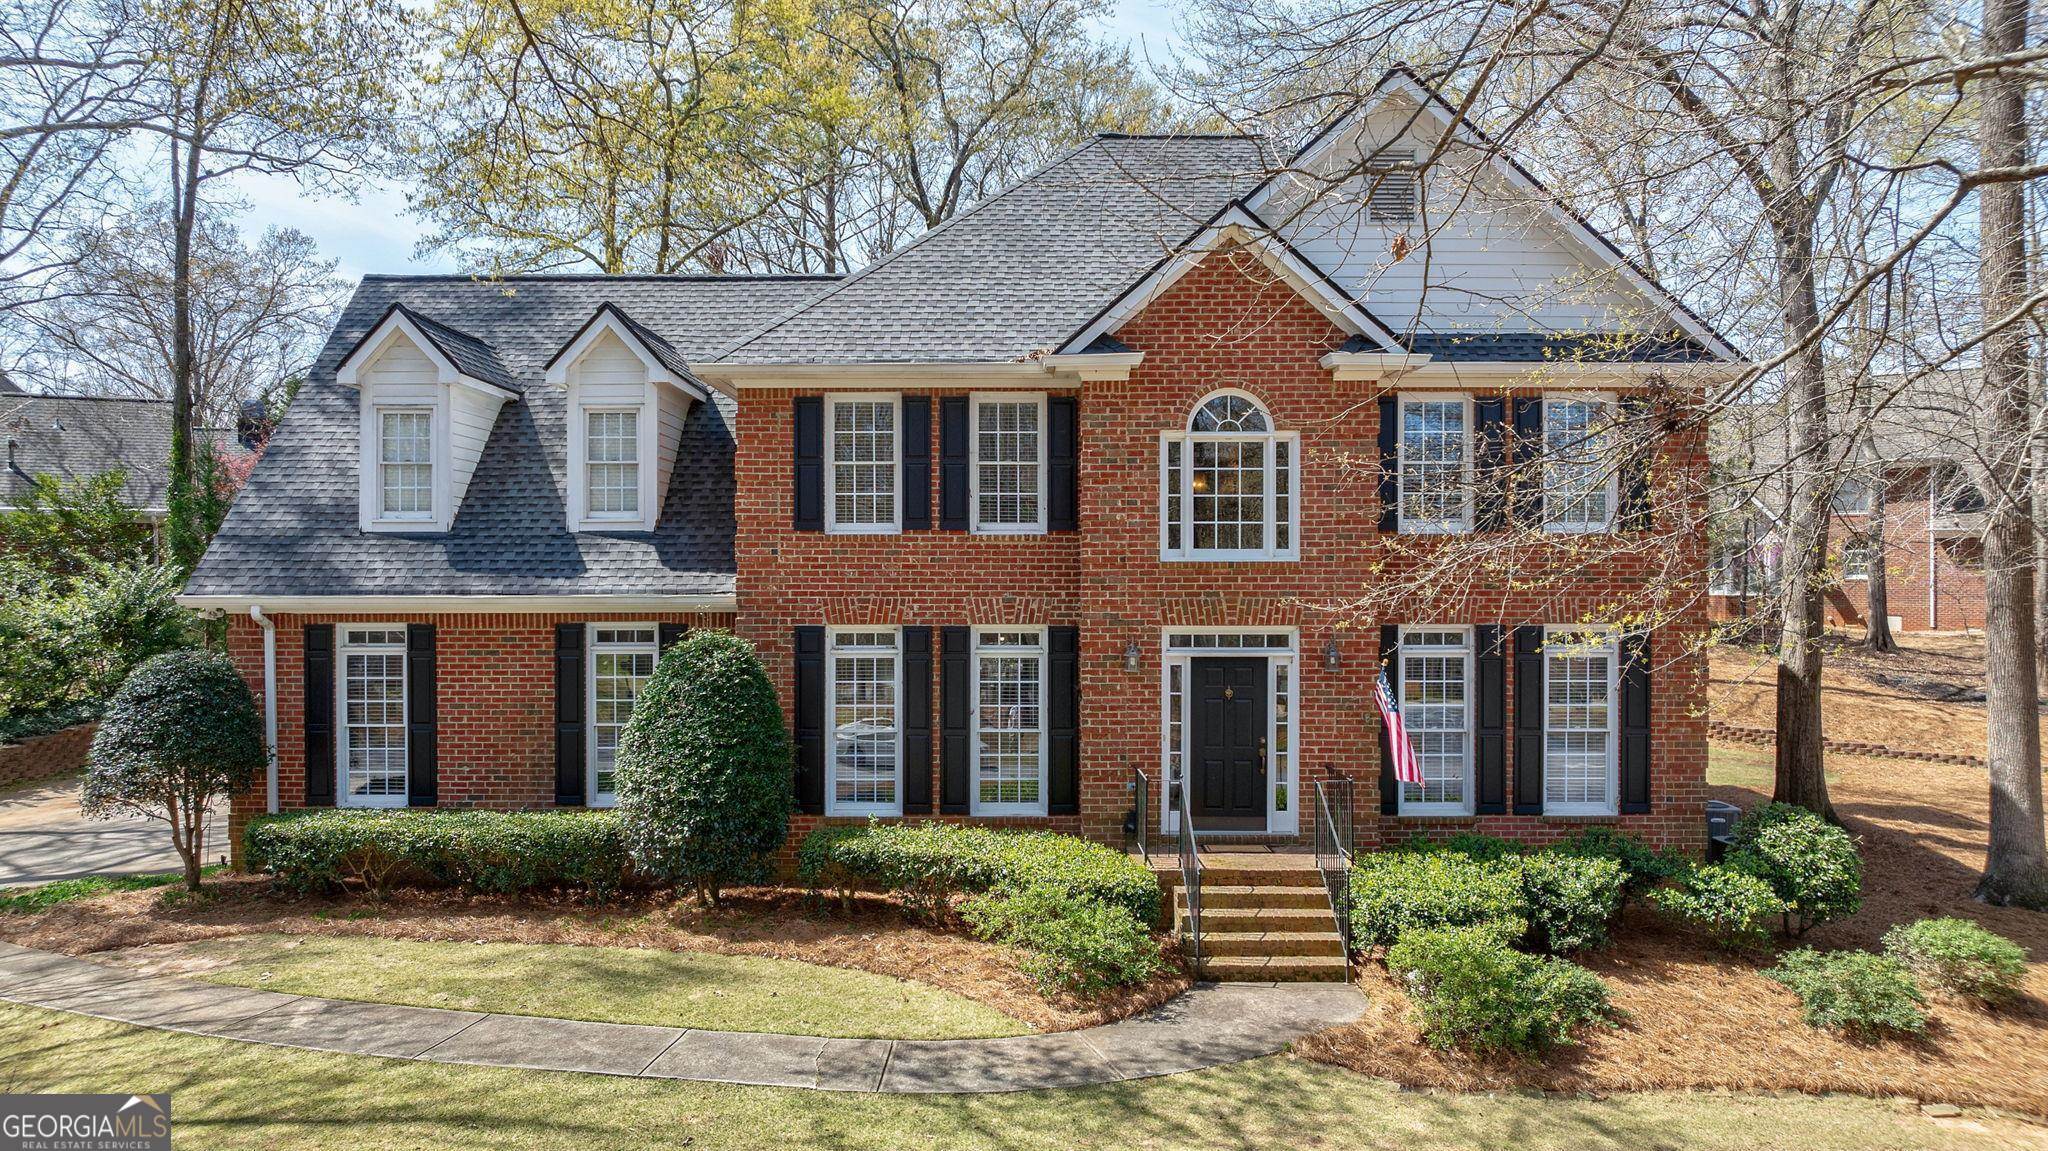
[1766, 738]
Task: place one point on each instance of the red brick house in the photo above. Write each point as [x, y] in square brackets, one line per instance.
[1060, 490]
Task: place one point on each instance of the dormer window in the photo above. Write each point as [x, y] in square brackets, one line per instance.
[429, 396]
[629, 395]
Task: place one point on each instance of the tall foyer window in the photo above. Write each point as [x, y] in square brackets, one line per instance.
[372, 727]
[1436, 487]
[1227, 484]
[866, 762]
[863, 462]
[621, 662]
[405, 463]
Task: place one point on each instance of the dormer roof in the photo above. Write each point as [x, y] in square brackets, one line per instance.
[665, 365]
[462, 358]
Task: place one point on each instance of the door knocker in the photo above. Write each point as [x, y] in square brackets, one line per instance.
[1229, 693]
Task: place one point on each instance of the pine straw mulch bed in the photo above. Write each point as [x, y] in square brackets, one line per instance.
[1698, 1018]
[778, 923]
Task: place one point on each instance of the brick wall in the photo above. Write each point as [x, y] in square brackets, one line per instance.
[1933, 583]
[58, 753]
[496, 692]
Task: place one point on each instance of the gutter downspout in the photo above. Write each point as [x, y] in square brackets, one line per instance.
[269, 627]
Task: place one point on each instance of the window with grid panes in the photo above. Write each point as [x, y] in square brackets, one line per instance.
[1578, 723]
[866, 752]
[1436, 676]
[405, 463]
[1009, 722]
[1227, 485]
[1009, 464]
[372, 728]
[863, 454]
[612, 463]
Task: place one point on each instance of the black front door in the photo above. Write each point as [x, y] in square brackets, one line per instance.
[1227, 744]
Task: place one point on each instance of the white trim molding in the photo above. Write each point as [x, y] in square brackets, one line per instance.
[607, 320]
[1283, 723]
[397, 323]
[417, 605]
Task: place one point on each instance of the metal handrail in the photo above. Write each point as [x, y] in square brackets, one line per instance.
[1334, 847]
[1141, 811]
[1190, 869]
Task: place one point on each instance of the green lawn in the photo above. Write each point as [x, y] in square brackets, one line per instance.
[1740, 765]
[227, 1095]
[29, 900]
[611, 984]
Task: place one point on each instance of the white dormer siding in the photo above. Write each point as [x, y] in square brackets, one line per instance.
[625, 426]
[422, 429]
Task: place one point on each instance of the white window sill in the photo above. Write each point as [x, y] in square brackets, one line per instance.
[834, 811]
[375, 801]
[1434, 811]
[862, 530]
[1435, 529]
[1008, 811]
[1008, 530]
[603, 801]
[1581, 810]
[1189, 557]
[1563, 529]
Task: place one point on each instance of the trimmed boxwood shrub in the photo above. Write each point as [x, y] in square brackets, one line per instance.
[1074, 943]
[1959, 956]
[490, 852]
[704, 767]
[1643, 867]
[1570, 899]
[1810, 863]
[1472, 990]
[1870, 995]
[929, 863]
[1397, 892]
[1733, 907]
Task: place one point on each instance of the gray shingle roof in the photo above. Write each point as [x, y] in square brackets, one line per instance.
[471, 356]
[1023, 271]
[293, 531]
[74, 437]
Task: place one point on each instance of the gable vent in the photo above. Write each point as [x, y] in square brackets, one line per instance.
[1391, 195]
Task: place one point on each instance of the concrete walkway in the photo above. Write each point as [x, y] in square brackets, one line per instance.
[1207, 1027]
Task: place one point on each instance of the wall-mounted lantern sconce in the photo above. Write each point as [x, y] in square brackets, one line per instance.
[1132, 656]
[1333, 660]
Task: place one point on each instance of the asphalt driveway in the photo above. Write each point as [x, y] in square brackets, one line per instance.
[43, 837]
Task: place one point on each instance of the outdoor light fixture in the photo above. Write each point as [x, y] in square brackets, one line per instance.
[1131, 656]
[1333, 660]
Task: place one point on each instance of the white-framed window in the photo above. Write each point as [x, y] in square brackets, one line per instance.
[405, 463]
[1858, 553]
[1435, 471]
[1436, 706]
[1226, 485]
[862, 454]
[370, 697]
[865, 768]
[1580, 479]
[611, 463]
[1009, 721]
[1580, 677]
[622, 658]
[1009, 473]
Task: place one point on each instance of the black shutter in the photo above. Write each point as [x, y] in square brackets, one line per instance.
[1062, 456]
[810, 719]
[569, 720]
[1493, 707]
[1390, 463]
[917, 721]
[1490, 414]
[1528, 468]
[1063, 707]
[955, 712]
[1640, 443]
[1390, 662]
[422, 750]
[319, 657]
[917, 463]
[1528, 721]
[808, 419]
[953, 413]
[669, 635]
[1635, 724]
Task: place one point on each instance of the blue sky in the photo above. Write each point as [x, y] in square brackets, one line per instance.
[373, 233]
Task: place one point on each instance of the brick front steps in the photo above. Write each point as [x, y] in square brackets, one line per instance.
[1264, 920]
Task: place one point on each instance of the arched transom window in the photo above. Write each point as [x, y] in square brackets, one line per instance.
[1227, 484]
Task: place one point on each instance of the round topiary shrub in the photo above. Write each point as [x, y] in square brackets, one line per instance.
[181, 731]
[1810, 863]
[704, 767]
[1959, 956]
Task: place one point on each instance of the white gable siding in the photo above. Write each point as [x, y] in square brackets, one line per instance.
[401, 369]
[610, 372]
[674, 407]
[470, 418]
[1485, 257]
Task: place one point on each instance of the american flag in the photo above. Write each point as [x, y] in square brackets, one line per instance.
[1407, 768]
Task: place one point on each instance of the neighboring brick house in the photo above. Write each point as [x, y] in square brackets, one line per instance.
[1060, 490]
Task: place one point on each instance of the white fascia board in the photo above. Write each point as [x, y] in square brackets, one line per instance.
[1371, 365]
[608, 321]
[456, 604]
[1590, 244]
[1092, 367]
[1236, 224]
[371, 346]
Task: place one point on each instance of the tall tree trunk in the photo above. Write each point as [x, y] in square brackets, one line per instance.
[1801, 773]
[2016, 866]
[1877, 628]
[183, 532]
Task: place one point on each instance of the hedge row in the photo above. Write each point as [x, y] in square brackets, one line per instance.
[496, 852]
[929, 863]
[1556, 900]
